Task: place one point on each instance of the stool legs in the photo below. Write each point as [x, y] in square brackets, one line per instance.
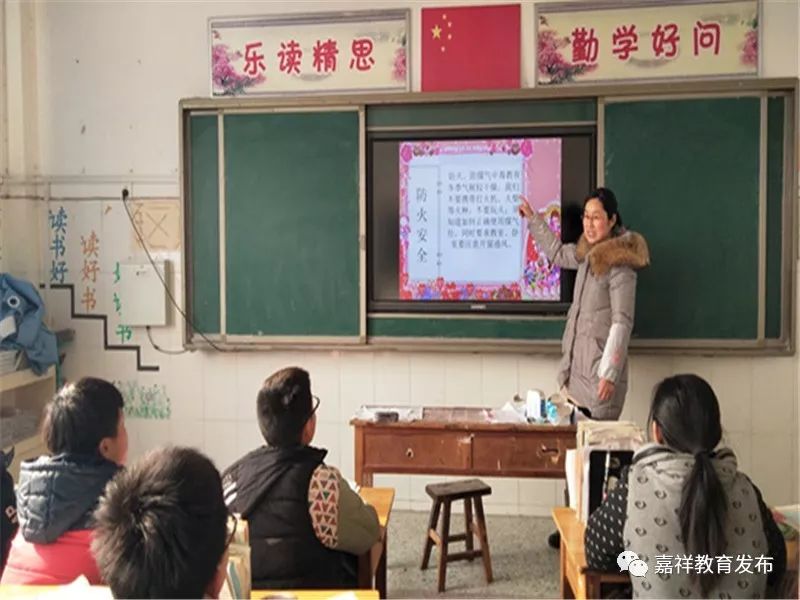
[470, 529]
[432, 526]
[443, 546]
[474, 527]
[484, 539]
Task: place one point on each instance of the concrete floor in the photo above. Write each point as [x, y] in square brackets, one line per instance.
[524, 565]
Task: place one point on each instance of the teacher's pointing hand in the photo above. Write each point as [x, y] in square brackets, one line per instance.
[524, 208]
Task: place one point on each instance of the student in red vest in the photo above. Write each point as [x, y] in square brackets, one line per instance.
[84, 431]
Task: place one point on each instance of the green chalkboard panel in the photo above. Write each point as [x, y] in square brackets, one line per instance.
[203, 212]
[292, 224]
[686, 174]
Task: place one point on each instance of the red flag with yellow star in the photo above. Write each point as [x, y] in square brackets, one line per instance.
[470, 48]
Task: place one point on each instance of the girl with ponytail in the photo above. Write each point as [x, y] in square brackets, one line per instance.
[686, 505]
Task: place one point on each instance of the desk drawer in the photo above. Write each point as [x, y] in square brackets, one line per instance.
[520, 454]
[422, 451]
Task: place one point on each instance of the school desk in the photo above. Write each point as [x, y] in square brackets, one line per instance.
[577, 580]
[460, 441]
[372, 565]
[28, 591]
[31, 591]
[314, 595]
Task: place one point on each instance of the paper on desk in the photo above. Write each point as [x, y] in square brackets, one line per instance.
[507, 414]
[353, 485]
[404, 413]
[572, 483]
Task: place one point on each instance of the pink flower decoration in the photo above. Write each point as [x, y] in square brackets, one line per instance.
[550, 62]
[399, 65]
[526, 148]
[405, 152]
[223, 74]
[749, 55]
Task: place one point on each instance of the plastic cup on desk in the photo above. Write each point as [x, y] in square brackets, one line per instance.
[534, 406]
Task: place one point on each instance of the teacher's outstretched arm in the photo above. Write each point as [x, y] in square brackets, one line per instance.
[559, 253]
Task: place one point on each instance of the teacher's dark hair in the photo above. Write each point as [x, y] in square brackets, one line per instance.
[609, 201]
[687, 412]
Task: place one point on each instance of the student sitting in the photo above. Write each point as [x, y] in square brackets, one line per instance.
[684, 497]
[306, 523]
[163, 529]
[84, 432]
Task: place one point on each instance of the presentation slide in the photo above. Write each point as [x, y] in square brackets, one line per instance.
[461, 237]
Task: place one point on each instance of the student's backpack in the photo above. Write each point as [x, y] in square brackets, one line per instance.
[8, 518]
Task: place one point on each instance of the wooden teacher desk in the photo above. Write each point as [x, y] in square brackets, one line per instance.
[460, 441]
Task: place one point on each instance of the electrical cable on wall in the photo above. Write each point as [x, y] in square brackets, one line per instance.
[174, 302]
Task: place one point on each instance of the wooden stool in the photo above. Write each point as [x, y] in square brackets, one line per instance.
[470, 491]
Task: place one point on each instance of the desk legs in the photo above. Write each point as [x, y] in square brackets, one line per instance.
[566, 588]
[380, 574]
[362, 479]
[365, 573]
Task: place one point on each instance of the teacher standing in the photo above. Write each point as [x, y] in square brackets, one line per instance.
[594, 365]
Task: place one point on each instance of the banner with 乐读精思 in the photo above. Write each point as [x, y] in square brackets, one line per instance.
[327, 52]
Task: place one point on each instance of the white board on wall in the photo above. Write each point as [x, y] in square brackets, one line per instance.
[142, 293]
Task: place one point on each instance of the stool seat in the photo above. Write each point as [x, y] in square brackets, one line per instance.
[457, 490]
[471, 492]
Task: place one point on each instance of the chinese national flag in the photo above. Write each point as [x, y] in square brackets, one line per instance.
[470, 48]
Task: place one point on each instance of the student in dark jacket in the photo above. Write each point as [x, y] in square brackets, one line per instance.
[306, 523]
[84, 432]
[8, 520]
[685, 509]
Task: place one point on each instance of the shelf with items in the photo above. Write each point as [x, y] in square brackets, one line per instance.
[25, 377]
[23, 395]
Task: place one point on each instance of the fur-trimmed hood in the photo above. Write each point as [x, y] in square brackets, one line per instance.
[627, 249]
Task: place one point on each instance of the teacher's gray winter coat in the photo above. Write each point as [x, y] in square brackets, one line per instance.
[600, 320]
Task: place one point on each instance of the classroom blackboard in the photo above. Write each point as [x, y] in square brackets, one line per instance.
[275, 206]
[291, 225]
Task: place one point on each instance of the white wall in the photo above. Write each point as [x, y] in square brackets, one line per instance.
[103, 112]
